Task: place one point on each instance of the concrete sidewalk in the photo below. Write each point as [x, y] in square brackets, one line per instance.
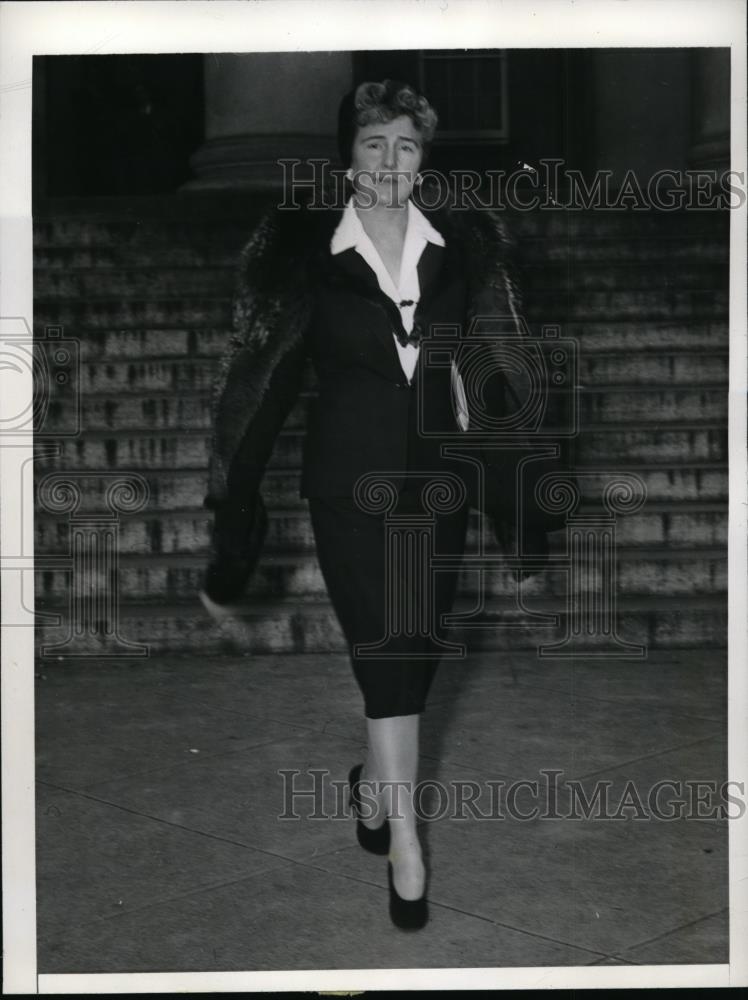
[160, 846]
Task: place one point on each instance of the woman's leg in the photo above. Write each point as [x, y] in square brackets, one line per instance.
[352, 557]
[392, 764]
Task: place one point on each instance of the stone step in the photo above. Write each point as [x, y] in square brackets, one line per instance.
[159, 282]
[657, 366]
[126, 345]
[594, 248]
[184, 489]
[182, 220]
[664, 367]
[691, 334]
[576, 225]
[101, 450]
[295, 626]
[664, 274]
[80, 316]
[660, 304]
[140, 411]
[150, 531]
[176, 577]
[545, 307]
[192, 408]
[621, 404]
[685, 443]
[160, 235]
[155, 375]
[165, 280]
[219, 250]
[139, 450]
[215, 252]
[664, 483]
[683, 341]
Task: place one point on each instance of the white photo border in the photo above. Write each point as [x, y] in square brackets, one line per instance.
[28, 29]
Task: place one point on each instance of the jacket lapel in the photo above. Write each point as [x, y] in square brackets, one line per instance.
[436, 267]
[349, 269]
[351, 263]
[430, 267]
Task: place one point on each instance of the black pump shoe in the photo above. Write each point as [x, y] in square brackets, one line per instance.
[407, 914]
[377, 841]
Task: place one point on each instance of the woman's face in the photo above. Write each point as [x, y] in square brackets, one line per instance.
[385, 159]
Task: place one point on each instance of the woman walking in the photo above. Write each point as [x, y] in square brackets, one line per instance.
[357, 287]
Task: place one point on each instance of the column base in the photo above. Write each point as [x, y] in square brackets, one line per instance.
[252, 162]
[712, 153]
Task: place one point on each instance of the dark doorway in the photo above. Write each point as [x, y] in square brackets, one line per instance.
[115, 124]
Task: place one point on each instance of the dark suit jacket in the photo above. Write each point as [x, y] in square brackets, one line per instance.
[367, 418]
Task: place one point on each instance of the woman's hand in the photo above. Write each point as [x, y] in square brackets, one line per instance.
[238, 538]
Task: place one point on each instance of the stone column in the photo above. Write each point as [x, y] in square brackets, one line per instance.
[710, 106]
[641, 111]
[261, 107]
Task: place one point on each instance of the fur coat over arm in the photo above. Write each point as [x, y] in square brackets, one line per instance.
[261, 372]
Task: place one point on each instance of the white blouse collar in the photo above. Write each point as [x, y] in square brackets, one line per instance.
[350, 232]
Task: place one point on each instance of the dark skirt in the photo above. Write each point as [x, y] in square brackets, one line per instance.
[383, 595]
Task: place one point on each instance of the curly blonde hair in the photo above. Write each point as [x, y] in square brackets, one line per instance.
[381, 102]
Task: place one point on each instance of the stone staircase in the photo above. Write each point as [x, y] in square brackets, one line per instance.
[145, 287]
